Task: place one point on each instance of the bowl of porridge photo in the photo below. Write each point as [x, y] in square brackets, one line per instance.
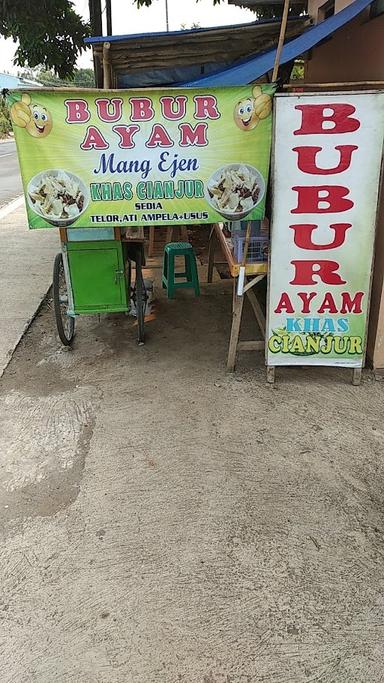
[235, 190]
[58, 196]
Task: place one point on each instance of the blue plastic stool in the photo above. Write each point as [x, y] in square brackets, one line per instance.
[170, 278]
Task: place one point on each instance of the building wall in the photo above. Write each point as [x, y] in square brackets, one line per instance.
[314, 5]
[356, 53]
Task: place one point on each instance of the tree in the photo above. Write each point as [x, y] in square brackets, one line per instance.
[49, 32]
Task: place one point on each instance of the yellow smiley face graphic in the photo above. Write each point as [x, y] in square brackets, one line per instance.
[40, 123]
[245, 115]
[35, 118]
[253, 109]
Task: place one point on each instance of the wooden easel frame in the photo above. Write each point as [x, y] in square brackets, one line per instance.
[258, 272]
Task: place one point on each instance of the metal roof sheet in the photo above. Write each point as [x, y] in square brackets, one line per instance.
[182, 34]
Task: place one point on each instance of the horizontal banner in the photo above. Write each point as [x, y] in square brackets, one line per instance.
[96, 158]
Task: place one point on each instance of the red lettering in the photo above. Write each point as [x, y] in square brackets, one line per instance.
[206, 107]
[306, 159]
[350, 305]
[94, 139]
[328, 304]
[159, 137]
[77, 111]
[312, 199]
[306, 299]
[324, 270]
[169, 110]
[303, 236]
[327, 118]
[141, 109]
[193, 135]
[126, 134]
[109, 110]
[284, 304]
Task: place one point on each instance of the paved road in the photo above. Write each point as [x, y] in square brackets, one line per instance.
[10, 180]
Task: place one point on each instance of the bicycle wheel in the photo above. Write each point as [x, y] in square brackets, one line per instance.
[65, 323]
[140, 296]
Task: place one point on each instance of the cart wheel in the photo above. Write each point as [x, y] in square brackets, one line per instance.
[64, 322]
[140, 296]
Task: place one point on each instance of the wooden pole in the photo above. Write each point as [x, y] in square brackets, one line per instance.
[241, 278]
[341, 84]
[108, 12]
[97, 30]
[246, 244]
[280, 44]
[95, 17]
[106, 66]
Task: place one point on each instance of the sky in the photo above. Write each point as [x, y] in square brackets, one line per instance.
[127, 19]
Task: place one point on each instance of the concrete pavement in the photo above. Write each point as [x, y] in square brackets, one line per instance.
[163, 522]
[26, 259]
[10, 180]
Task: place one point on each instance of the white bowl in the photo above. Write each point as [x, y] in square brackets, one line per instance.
[235, 215]
[57, 222]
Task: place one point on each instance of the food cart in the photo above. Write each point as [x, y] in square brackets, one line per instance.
[93, 274]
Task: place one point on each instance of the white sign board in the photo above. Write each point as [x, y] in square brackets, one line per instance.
[326, 169]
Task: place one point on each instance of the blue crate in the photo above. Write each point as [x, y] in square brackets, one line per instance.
[257, 249]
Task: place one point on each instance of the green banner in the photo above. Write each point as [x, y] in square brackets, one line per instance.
[98, 158]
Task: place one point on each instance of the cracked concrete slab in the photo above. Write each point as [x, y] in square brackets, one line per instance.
[163, 522]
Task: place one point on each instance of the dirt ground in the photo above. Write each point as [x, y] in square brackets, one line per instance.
[163, 522]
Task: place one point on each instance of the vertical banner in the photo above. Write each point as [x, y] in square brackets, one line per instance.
[326, 170]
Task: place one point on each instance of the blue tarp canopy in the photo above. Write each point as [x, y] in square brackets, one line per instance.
[252, 69]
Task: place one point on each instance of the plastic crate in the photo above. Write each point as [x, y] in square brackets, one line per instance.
[257, 249]
[240, 228]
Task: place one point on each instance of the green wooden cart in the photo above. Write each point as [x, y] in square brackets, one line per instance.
[93, 274]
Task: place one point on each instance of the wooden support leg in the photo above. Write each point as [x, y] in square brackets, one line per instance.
[169, 234]
[356, 376]
[270, 374]
[259, 315]
[184, 233]
[151, 245]
[211, 254]
[238, 302]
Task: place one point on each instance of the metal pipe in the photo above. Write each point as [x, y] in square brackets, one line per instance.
[166, 15]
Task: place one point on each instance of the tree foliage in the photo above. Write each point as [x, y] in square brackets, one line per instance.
[49, 32]
[262, 11]
[5, 121]
[81, 78]
[84, 78]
